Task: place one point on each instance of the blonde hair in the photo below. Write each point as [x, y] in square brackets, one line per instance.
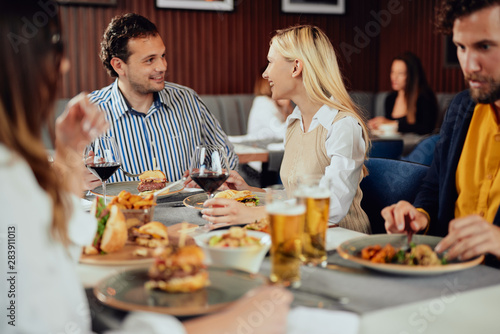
[320, 72]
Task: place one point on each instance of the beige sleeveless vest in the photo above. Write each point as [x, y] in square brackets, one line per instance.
[305, 153]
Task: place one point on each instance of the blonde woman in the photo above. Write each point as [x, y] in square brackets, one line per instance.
[325, 133]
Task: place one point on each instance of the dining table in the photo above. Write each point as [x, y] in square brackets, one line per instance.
[465, 301]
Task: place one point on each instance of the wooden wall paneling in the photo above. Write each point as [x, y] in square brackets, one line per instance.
[413, 30]
[212, 52]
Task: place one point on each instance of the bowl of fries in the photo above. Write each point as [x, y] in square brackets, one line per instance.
[138, 210]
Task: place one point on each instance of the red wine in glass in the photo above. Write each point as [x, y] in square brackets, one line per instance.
[102, 159]
[209, 169]
[210, 181]
[103, 170]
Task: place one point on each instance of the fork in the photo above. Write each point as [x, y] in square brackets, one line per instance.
[409, 233]
[130, 174]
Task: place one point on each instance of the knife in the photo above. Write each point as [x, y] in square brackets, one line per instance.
[170, 185]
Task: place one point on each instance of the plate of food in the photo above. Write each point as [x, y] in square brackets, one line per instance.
[391, 254]
[149, 182]
[245, 196]
[200, 291]
[115, 243]
[259, 225]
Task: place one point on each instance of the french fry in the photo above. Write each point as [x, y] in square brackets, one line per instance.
[142, 204]
[124, 194]
[135, 198]
[126, 201]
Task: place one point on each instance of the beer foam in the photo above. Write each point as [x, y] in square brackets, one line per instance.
[285, 209]
[313, 192]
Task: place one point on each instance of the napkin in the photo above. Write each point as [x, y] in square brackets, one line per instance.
[337, 235]
[86, 204]
[319, 321]
[148, 323]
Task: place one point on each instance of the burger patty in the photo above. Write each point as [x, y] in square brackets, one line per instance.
[148, 185]
[134, 234]
[172, 272]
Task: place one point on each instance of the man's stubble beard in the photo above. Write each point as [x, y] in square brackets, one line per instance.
[481, 96]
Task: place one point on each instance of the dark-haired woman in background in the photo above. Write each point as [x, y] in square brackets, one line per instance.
[412, 107]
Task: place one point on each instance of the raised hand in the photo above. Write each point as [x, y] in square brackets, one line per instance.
[399, 215]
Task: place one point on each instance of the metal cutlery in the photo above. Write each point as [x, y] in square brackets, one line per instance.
[170, 185]
[127, 174]
[336, 299]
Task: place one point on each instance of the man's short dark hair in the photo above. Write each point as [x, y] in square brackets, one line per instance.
[448, 11]
[120, 30]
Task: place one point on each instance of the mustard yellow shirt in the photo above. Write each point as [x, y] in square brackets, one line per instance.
[477, 179]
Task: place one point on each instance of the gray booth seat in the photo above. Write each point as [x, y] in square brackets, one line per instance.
[232, 110]
[372, 104]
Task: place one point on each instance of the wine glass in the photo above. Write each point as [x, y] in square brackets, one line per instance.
[102, 159]
[209, 169]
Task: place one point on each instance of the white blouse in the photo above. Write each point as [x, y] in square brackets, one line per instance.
[265, 121]
[345, 147]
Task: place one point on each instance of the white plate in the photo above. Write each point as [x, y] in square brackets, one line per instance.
[113, 189]
[126, 291]
[351, 250]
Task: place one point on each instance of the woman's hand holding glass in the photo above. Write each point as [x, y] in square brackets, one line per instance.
[209, 169]
[229, 211]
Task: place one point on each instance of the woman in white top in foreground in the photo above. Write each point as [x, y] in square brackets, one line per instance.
[43, 229]
[326, 133]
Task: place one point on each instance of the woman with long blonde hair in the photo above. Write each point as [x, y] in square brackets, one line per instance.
[326, 133]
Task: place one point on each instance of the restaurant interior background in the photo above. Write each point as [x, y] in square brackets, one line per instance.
[218, 52]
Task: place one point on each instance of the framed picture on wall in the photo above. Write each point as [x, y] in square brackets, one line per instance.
[217, 5]
[88, 2]
[313, 6]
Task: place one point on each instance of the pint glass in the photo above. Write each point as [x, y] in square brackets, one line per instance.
[315, 192]
[286, 224]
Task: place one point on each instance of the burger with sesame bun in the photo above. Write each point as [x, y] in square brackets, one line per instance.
[178, 269]
[152, 235]
[151, 181]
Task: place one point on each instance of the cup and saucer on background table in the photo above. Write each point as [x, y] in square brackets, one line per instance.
[387, 131]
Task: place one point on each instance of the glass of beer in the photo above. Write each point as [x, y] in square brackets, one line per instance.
[314, 189]
[286, 225]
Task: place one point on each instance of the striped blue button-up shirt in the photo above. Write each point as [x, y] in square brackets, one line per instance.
[174, 125]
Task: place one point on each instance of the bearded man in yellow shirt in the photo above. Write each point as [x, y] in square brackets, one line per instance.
[460, 195]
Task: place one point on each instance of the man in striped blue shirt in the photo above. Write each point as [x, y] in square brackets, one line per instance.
[151, 119]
